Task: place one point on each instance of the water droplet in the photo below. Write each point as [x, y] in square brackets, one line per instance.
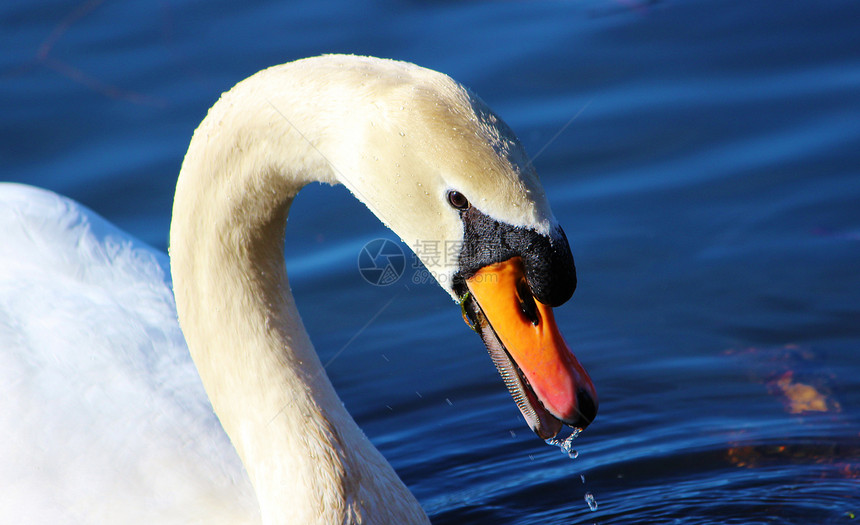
[566, 444]
[582, 477]
[402, 133]
[592, 503]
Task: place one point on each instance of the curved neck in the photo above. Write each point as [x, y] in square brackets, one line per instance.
[306, 457]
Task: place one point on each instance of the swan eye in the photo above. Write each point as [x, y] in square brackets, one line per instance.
[458, 200]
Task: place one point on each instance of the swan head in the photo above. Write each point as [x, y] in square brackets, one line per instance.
[447, 175]
[443, 171]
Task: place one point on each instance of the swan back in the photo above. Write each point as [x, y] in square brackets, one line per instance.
[111, 424]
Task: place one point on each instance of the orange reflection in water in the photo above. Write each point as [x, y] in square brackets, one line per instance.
[797, 378]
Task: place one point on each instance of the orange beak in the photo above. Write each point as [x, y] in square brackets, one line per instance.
[546, 380]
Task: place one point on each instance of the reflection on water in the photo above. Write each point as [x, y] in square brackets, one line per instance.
[707, 182]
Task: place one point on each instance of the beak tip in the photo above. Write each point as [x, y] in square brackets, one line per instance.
[586, 409]
[587, 406]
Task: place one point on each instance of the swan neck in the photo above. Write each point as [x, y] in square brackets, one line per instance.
[307, 459]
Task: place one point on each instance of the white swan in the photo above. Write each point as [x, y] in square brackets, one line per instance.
[104, 418]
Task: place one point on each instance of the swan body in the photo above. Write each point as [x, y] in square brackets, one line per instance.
[401, 138]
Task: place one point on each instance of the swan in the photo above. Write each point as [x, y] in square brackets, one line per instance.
[107, 420]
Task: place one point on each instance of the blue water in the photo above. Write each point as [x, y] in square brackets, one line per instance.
[709, 182]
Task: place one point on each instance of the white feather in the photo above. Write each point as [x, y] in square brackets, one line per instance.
[105, 418]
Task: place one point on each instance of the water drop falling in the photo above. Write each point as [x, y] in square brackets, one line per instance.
[592, 503]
